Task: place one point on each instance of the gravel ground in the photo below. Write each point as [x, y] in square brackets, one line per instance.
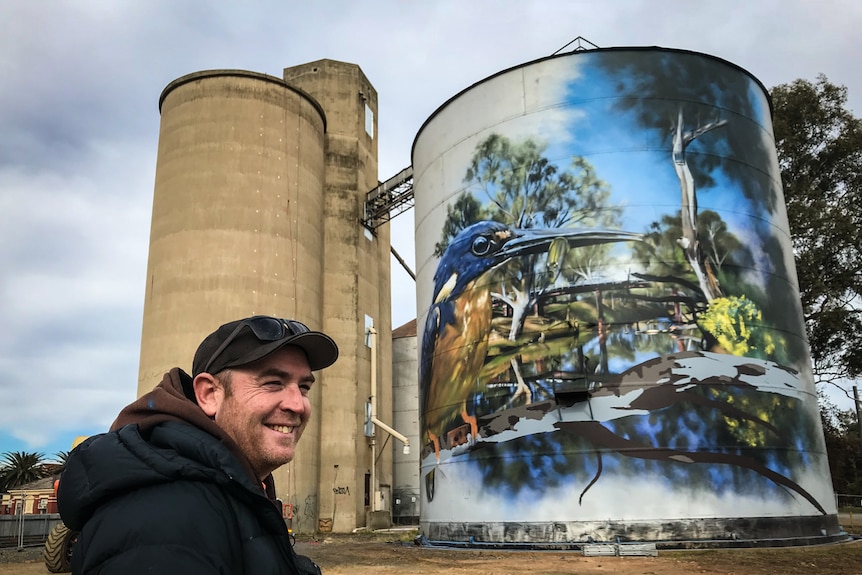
[28, 554]
[385, 555]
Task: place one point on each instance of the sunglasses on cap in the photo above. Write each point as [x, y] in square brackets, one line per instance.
[264, 328]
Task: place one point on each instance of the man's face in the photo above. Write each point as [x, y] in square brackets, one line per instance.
[267, 408]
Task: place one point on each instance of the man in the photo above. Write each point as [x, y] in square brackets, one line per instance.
[183, 481]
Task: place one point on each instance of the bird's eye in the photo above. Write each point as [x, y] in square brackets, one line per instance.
[481, 246]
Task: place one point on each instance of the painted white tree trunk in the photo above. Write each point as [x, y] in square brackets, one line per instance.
[688, 213]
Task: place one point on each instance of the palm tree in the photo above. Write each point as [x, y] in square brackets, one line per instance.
[56, 464]
[19, 468]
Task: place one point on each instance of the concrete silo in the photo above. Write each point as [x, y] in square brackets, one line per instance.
[260, 183]
[406, 500]
[611, 338]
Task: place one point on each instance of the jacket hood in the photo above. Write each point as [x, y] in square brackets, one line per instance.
[163, 436]
[173, 400]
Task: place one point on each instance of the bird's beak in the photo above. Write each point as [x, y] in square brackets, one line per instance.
[538, 240]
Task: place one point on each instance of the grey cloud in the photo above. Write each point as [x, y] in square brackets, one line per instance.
[79, 130]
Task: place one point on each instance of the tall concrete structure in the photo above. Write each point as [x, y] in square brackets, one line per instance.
[259, 191]
[405, 418]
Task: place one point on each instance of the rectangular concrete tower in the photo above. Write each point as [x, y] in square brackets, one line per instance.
[356, 295]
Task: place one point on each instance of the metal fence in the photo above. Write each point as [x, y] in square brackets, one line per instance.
[26, 530]
[405, 506]
[843, 500]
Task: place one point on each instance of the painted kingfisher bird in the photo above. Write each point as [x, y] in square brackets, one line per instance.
[455, 339]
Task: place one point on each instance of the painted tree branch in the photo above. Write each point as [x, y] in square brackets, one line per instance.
[689, 240]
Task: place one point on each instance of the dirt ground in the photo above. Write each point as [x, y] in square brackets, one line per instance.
[391, 554]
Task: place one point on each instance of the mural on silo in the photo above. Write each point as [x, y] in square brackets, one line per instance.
[613, 342]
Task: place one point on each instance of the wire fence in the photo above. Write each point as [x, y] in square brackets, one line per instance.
[845, 500]
[26, 530]
[405, 506]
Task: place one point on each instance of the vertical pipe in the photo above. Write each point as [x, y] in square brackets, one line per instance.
[372, 335]
[21, 521]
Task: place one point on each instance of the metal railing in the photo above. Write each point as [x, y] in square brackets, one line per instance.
[26, 530]
[388, 199]
[844, 500]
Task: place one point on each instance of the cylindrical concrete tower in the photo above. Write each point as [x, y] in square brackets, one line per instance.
[257, 211]
[612, 343]
[405, 418]
[237, 226]
[237, 211]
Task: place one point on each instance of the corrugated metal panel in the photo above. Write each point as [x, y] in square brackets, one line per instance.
[599, 550]
[632, 549]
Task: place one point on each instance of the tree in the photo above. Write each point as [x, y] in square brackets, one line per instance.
[819, 144]
[526, 190]
[843, 447]
[19, 468]
[57, 464]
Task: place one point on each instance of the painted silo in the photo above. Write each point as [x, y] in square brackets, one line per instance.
[611, 339]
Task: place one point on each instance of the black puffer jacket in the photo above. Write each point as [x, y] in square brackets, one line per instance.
[168, 497]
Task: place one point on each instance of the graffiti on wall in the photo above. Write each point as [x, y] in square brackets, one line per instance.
[614, 302]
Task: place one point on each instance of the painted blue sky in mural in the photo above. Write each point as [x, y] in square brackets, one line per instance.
[635, 161]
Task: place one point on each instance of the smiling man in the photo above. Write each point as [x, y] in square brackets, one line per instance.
[183, 481]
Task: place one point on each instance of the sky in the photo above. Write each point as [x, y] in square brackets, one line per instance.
[79, 124]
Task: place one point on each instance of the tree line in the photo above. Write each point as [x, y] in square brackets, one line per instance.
[819, 145]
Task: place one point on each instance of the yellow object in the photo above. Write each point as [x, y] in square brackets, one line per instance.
[79, 440]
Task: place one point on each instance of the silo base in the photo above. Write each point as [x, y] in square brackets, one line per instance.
[681, 534]
[378, 520]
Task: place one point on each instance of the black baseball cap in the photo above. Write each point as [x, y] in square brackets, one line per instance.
[247, 340]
